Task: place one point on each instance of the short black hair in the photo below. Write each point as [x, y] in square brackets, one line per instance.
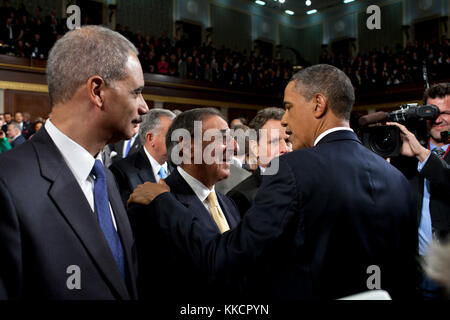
[439, 90]
[331, 82]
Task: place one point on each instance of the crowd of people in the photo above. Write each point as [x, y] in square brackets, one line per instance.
[17, 130]
[31, 35]
[381, 68]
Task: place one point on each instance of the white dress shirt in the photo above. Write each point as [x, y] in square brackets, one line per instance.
[155, 165]
[199, 188]
[79, 161]
[323, 134]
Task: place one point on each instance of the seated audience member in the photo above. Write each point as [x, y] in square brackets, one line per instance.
[18, 117]
[37, 125]
[164, 269]
[7, 121]
[4, 144]
[14, 134]
[149, 162]
[335, 220]
[162, 67]
[27, 128]
[270, 142]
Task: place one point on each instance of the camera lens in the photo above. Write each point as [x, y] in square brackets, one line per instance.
[383, 143]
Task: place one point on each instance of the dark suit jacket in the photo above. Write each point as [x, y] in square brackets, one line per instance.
[18, 141]
[244, 193]
[132, 171]
[118, 148]
[437, 172]
[47, 225]
[166, 272]
[315, 227]
[27, 129]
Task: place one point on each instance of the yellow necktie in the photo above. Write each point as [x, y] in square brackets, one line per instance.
[216, 213]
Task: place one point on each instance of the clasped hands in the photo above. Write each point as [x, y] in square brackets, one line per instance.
[147, 192]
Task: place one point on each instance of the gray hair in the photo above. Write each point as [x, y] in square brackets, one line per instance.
[185, 120]
[152, 121]
[83, 53]
[329, 81]
[16, 125]
[264, 115]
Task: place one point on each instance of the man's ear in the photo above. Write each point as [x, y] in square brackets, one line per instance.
[149, 136]
[320, 105]
[95, 87]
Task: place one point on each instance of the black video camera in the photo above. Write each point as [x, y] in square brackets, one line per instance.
[385, 140]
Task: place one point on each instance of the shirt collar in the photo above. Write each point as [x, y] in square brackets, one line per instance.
[79, 160]
[444, 147]
[155, 164]
[199, 188]
[326, 132]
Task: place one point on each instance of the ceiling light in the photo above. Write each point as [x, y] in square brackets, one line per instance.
[282, 1]
[289, 12]
[308, 3]
[348, 1]
[311, 11]
[261, 3]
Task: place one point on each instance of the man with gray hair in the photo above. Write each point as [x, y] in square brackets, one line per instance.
[14, 134]
[149, 163]
[335, 220]
[167, 270]
[64, 233]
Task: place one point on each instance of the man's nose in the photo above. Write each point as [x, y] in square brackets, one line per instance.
[143, 107]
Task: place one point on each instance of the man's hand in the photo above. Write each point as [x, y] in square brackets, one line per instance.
[411, 147]
[145, 193]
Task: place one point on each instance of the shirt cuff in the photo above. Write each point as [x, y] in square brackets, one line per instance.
[420, 165]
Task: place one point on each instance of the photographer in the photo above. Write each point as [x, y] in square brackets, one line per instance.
[431, 181]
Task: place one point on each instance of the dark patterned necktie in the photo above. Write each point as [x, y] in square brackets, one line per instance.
[439, 152]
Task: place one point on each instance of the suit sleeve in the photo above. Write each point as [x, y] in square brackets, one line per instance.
[437, 170]
[10, 247]
[258, 233]
[240, 200]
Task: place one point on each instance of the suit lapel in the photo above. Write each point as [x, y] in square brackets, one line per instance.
[123, 228]
[144, 166]
[73, 205]
[184, 193]
[232, 222]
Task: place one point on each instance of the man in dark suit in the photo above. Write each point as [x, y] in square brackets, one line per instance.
[8, 120]
[64, 234]
[14, 134]
[120, 150]
[268, 141]
[428, 172]
[333, 219]
[150, 162]
[165, 272]
[27, 126]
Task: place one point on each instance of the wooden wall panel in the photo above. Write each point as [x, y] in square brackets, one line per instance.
[36, 103]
